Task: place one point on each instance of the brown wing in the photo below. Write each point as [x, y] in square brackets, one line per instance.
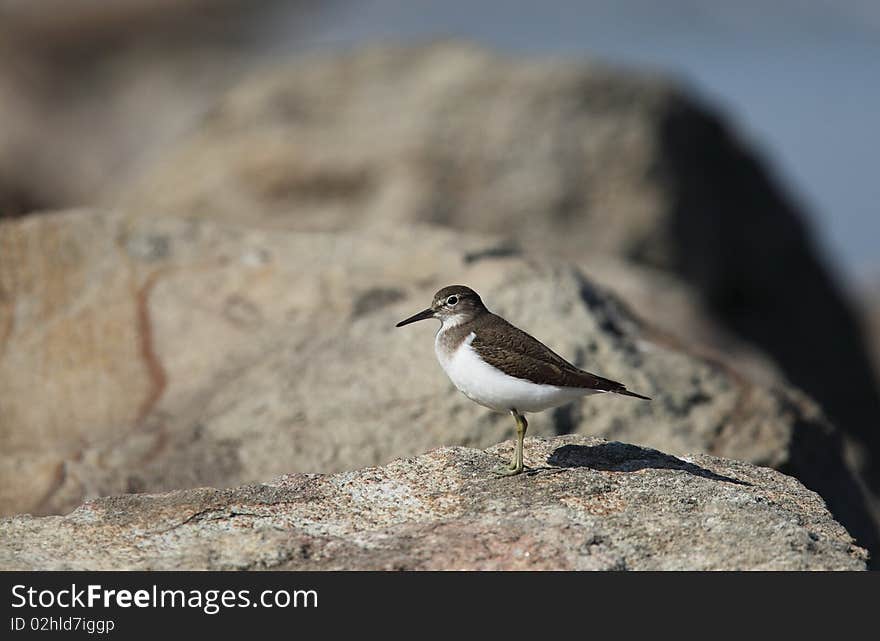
[518, 354]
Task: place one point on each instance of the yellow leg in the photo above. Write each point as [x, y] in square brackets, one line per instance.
[516, 465]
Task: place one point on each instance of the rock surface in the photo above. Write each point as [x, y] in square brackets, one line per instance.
[226, 355]
[590, 505]
[573, 159]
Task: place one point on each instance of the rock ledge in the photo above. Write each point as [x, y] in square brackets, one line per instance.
[589, 504]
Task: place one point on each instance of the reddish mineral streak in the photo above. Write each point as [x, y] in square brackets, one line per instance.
[158, 379]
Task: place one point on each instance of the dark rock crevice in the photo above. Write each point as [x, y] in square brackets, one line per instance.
[742, 244]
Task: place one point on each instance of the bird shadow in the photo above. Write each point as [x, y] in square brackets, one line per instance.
[623, 457]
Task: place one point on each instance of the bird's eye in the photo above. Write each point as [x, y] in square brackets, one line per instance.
[452, 300]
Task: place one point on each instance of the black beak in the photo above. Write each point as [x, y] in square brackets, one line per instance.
[422, 315]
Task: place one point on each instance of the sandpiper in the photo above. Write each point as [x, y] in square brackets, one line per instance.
[501, 367]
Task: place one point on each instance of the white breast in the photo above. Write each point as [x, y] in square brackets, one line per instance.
[494, 389]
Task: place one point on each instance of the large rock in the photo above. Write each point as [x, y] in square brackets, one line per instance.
[147, 354]
[598, 505]
[573, 159]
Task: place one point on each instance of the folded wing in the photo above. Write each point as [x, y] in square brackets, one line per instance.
[520, 355]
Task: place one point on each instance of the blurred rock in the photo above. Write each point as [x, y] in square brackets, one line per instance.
[571, 159]
[149, 353]
[90, 89]
[600, 509]
[871, 314]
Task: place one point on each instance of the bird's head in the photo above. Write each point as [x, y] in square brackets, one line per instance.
[452, 305]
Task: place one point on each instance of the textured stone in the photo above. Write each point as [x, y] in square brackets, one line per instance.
[589, 505]
[574, 159]
[232, 355]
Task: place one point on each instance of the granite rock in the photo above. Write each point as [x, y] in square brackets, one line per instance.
[571, 158]
[589, 504]
[151, 354]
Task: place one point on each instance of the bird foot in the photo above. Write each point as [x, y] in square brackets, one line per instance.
[509, 470]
